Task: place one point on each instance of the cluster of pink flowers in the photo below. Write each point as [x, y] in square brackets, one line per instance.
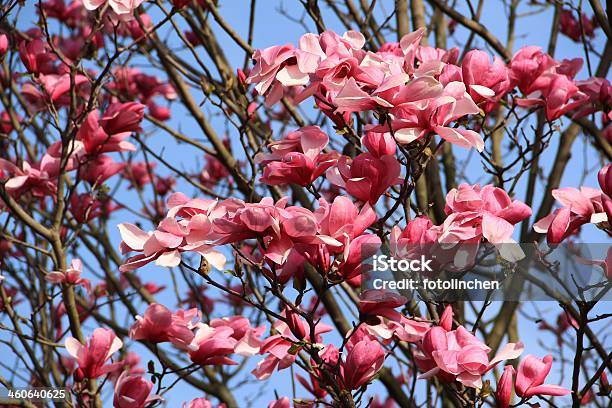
[458, 355]
[198, 225]
[421, 89]
[473, 213]
[87, 155]
[131, 389]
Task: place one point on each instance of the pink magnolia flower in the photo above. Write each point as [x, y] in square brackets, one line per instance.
[527, 65]
[120, 7]
[297, 158]
[365, 177]
[351, 266]
[488, 212]
[485, 82]
[342, 220]
[198, 402]
[424, 107]
[91, 358]
[459, 355]
[248, 338]
[574, 29]
[381, 304]
[71, 276]
[281, 228]
[278, 346]
[579, 207]
[280, 403]
[132, 391]
[4, 45]
[379, 144]
[96, 139]
[212, 345]
[28, 178]
[561, 96]
[599, 92]
[36, 56]
[362, 363]
[160, 325]
[194, 232]
[122, 117]
[99, 169]
[503, 394]
[55, 88]
[530, 377]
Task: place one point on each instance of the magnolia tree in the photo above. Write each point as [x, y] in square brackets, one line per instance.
[190, 190]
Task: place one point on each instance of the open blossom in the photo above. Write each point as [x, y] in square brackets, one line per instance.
[71, 276]
[366, 177]
[160, 325]
[91, 358]
[248, 338]
[193, 232]
[282, 228]
[485, 82]
[530, 377]
[424, 106]
[96, 138]
[212, 345]
[459, 355]
[132, 391]
[297, 158]
[487, 212]
[382, 304]
[120, 7]
[277, 346]
[579, 207]
[40, 178]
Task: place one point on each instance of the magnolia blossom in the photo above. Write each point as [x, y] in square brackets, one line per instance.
[530, 377]
[91, 358]
[487, 212]
[278, 346]
[364, 359]
[366, 177]
[194, 232]
[580, 206]
[459, 355]
[381, 304]
[485, 82]
[503, 394]
[212, 345]
[120, 7]
[132, 391]
[160, 325]
[297, 158]
[248, 338]
[71, 276]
